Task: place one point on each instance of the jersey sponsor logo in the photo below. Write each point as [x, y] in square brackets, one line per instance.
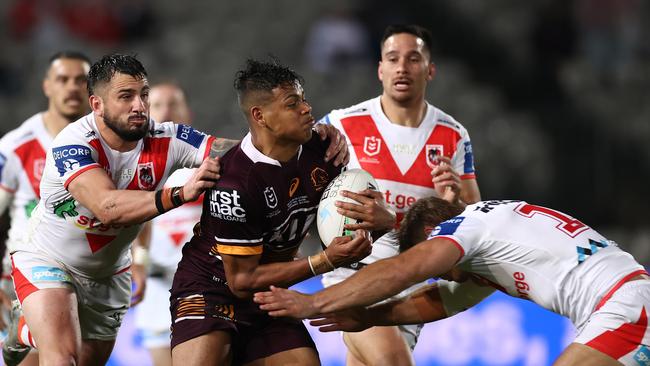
[146, 176]
[468, 167]
[448, 227]
[523, 288]
[29, 207]
[93, 223]
[3, 161]
[371, 145]
[270, 197]
[295, 182]
[190, 135]
[226, 204]
[319, 179]
[43, 273]
[642, 356]
[433, 154]
[65, 207]
[71, 157]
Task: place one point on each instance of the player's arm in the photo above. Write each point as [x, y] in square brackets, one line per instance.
[469, 192]
[140, 263]
[94, 189]
[434, 302]
[373, 283]
[5, 199]
[451, 187]
[245, 275]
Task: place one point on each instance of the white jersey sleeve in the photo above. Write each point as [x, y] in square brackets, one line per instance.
[465, 232]
[189, 147]
[70, 156]
[9, 166]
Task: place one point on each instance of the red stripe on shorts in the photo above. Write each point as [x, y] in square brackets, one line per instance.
[618, 285]
[24, 288]
[622, 340]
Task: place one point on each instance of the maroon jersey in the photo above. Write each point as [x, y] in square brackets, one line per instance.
[263, 206]
[259, 206]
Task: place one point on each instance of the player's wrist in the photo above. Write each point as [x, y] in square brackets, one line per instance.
[320, 263]
[140, 256]
[169, 198]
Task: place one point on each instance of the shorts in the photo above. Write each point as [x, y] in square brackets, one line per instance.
[620, 327]
[102, 302]
[201, 302]
[152, 318]
[384, 247]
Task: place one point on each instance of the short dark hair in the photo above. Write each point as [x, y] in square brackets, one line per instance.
[74, 55]
[103, 70]
[429, 211]
[413, 29]
[263, 76]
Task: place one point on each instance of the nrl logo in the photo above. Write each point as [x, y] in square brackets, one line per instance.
[371, 145]
[271, 198]
[146, 176]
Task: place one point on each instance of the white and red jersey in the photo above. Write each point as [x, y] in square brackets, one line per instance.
[22, 159]
[401, 158]
[538, 254]
[172, 229]
[65, 230]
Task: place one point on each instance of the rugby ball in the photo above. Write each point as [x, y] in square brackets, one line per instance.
[329, 222]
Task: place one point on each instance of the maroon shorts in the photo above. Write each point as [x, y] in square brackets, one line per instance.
[201, 302]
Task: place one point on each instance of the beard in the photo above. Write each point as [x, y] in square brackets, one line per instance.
[122, 130]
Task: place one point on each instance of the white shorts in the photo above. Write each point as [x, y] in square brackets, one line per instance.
[152, 316]
[384, 247]
[102, 302]
[619, 328]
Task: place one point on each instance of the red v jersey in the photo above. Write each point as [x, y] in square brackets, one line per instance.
[401, 158]
[374, 156]
[22, 159]
[68, 231]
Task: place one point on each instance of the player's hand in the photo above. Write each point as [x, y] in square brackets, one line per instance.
[5, 302]
[351, 320]
[282, 302]
[338, 144]
[345, 250]
[139, 282]
[371, 211]
[205, 177]
[446, 180]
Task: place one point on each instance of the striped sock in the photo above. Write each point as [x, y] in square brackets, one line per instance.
[24, 335]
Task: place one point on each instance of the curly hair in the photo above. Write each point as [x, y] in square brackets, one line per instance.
[425, 212]
[263, 76]
[102, 71]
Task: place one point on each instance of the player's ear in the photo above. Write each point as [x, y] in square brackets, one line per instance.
[380, 73]
[432, 71]
[427, 230]
[96, 104]
[257, 116]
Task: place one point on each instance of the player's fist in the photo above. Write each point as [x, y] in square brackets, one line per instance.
[349, 249]
[204, 177]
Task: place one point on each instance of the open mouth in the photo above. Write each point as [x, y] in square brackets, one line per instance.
[402, 84]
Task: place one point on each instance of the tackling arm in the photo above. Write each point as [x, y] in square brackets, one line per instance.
[387, 277]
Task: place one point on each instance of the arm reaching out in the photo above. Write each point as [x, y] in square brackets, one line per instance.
[375, 282]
